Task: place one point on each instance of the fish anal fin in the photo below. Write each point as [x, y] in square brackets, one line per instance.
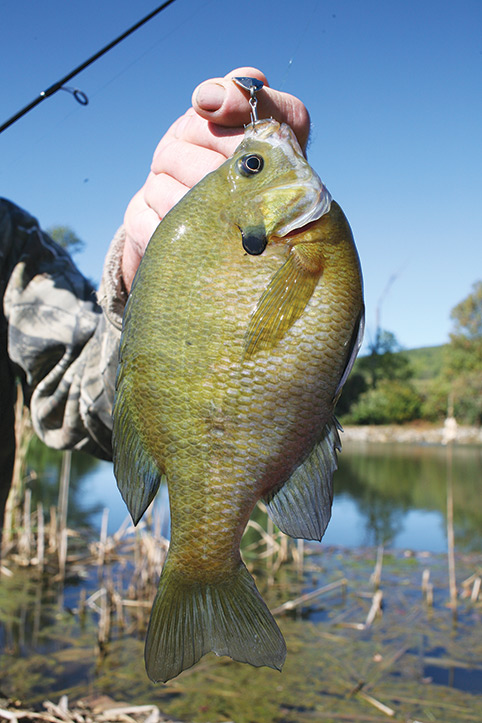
[137, 474]
[302, 506]
[189, 619]
[284, 300]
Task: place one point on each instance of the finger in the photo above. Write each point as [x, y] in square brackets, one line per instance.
[191, 128]
[146, 209]
[161, 193]
[149, 206]
[130, 263]
[223, 102]
[186, 162]
[140, 221]
[214, 100]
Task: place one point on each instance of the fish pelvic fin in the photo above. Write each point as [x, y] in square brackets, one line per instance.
[137, 474]
[302, 506]
[190, 619]
[285, 298]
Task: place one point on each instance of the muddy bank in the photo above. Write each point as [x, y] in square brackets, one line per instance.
[417, 433]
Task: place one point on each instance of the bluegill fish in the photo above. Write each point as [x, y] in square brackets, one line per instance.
[242, 325]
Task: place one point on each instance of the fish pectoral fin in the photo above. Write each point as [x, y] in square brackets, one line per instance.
[302, 506]
[285, 299]
[137, 474]
[189, 619]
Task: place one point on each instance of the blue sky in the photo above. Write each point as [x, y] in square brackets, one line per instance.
[393, 88]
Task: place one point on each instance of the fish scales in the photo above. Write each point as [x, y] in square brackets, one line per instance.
[231, 361]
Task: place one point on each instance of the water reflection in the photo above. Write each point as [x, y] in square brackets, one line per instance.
[398, 486]
[384, 494]
[43, 475]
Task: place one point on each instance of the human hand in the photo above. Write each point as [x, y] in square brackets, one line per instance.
[199, 142]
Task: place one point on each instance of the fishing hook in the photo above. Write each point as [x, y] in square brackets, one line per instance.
[253, 85]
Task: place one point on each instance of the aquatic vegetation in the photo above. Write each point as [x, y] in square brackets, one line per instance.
[84, 636]
[409, 659]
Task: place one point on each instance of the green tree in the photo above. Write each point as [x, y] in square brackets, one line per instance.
[67, 238]
[463, 360]
[379, 391]
[390, 402]
[467, 315]
[386, 360]
[465, 348]
[435, 394]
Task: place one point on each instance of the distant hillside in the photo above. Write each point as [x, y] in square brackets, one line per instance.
[427, 361]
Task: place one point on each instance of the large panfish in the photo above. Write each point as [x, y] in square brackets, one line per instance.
[243, 322]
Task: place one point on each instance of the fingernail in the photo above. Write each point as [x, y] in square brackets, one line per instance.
[210, 96]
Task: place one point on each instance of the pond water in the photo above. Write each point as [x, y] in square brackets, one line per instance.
[417, 658]
[390, 494]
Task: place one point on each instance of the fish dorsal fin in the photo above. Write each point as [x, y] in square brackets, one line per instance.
[137, 474]
[302, 506]
[284, 300]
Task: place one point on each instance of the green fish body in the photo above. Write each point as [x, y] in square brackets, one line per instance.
[242, 324]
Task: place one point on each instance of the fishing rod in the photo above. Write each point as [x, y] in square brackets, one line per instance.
[79, 96]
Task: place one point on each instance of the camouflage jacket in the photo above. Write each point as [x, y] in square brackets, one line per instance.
[59, 337]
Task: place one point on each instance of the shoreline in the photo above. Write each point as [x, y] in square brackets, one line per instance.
[414, 433]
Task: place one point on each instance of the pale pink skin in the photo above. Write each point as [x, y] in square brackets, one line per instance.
[199, 142]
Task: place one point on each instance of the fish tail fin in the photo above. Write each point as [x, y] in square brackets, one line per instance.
[190, 619]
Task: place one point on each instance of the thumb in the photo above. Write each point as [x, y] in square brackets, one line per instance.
[223, 102]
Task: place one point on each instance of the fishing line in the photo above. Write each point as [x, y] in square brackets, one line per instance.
[309, 23]
[79, 96]
[120, 73]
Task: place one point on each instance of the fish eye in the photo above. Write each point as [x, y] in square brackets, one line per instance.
[250, 164]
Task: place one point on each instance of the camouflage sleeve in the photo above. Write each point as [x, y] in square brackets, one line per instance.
[58, 336]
